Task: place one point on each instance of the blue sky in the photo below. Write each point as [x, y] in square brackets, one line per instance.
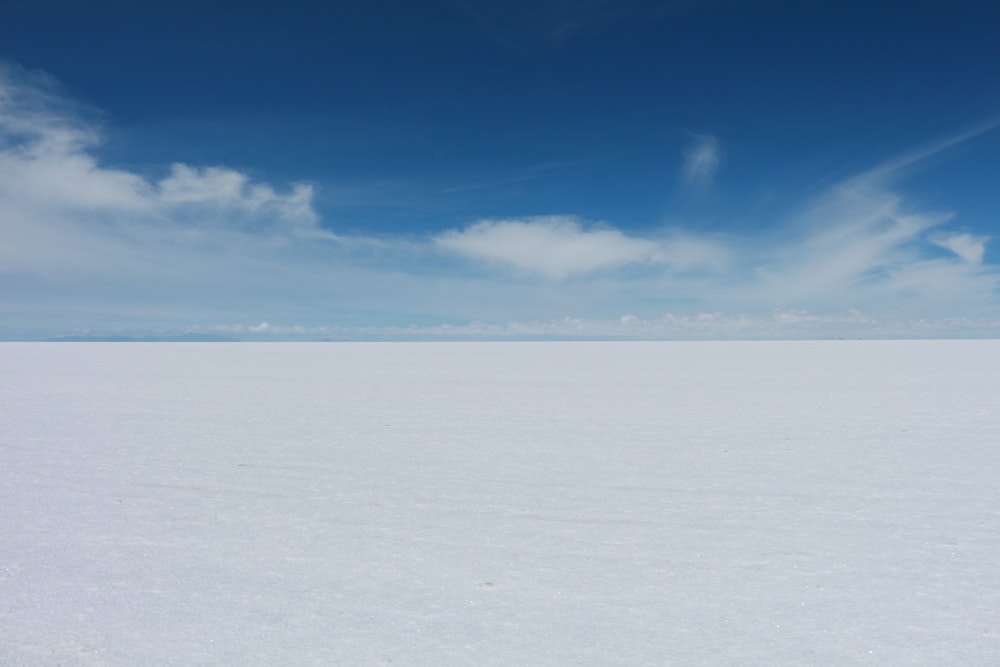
[497, 169]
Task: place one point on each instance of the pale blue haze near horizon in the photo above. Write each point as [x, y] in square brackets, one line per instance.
[523, 169]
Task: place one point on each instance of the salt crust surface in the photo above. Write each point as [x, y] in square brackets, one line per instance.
[764, 503]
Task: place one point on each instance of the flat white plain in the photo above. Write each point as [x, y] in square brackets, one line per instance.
[764, 503]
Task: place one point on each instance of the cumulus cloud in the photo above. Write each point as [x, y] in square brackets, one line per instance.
[52, 184]
[215, 189]
[552, 246]
[560, 247]
[701, 161]
[43, 152]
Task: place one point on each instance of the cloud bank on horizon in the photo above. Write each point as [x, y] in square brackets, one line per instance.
[95, 247]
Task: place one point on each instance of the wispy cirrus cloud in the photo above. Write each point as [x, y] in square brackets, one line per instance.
[702, 160]
[970, 247]
[846, 246]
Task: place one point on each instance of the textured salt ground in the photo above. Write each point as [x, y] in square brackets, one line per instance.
[759, 503]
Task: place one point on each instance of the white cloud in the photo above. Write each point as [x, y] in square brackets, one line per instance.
[560, 247]
[210, 185]
[701, 161]
[43, 158]
[841, 249]
[220, 189]
[969, 247]
[70, 182]
[686, 252]
[54, 193]
[552, 246]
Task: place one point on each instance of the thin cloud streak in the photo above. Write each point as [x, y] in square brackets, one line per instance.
[970, 247]
[701, 161]
[890, 170]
